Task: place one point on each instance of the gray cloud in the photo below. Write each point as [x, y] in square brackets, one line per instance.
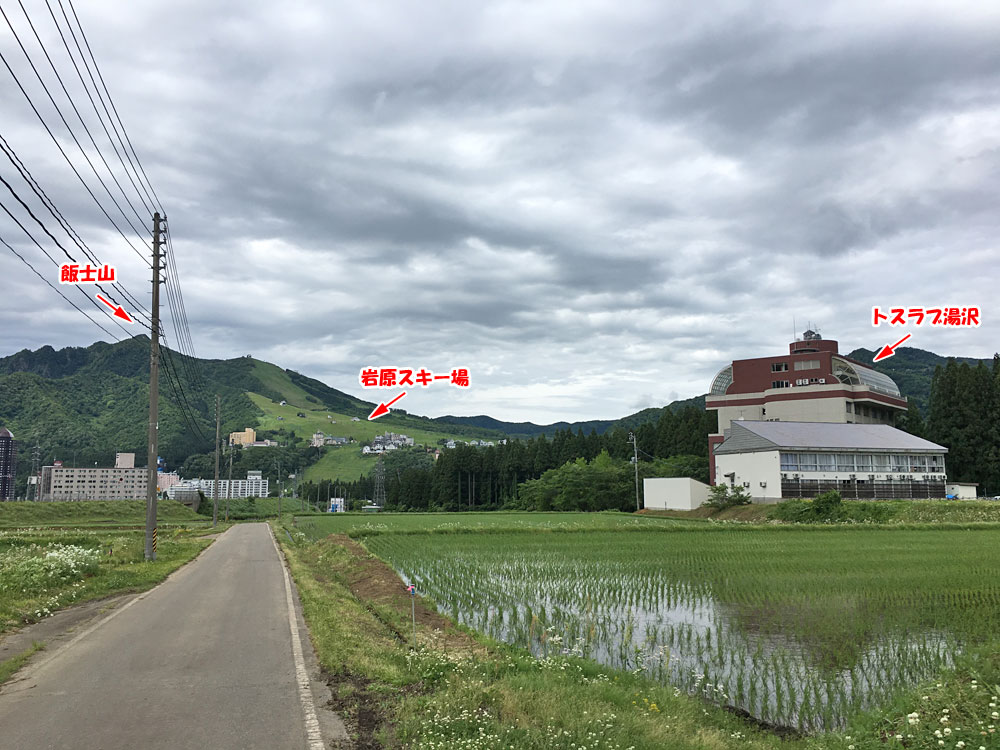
[589, 209]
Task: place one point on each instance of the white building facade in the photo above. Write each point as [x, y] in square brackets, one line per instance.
[777, 460]
[253, 486]
[122, 482]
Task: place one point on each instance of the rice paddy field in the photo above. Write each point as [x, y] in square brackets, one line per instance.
[366, 525]
[799, 627]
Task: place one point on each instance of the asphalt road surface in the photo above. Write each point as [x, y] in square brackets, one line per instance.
[205, 660]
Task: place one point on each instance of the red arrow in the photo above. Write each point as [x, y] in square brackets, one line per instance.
[887, 351]
[119, 312]
[384, 408]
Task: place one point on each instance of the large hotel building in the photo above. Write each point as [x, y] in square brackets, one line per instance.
[812, 420]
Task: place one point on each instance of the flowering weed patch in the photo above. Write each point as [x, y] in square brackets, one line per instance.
[43, 570]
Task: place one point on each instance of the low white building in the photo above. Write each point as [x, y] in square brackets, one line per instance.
[962, 490]
[673, 493]
[776, 460]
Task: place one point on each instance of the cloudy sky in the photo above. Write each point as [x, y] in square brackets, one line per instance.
[592, 205]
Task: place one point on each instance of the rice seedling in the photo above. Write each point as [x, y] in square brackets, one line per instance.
[800, 628]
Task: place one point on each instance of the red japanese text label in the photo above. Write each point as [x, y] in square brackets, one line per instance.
[393, 377]
[932, 316]
[74, 273]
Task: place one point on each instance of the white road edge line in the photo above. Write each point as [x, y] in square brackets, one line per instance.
[33, 668]
[313, 734]
[42, 663]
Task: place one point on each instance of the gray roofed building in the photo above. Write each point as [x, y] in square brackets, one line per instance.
[775, 460]
[750, 437]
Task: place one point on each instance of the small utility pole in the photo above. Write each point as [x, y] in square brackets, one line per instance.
[635, 460]
[229, 491]
[154, 394]
[215, 495]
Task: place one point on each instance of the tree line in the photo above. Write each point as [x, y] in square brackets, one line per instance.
[494, 477]
[964, 416]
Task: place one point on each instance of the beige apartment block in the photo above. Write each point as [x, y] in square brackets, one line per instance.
[248, 436]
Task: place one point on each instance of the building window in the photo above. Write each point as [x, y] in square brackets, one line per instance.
[807, 462]
[779, 367]
[789, 461]
[848, 407]
[807, 364]
[845, 462]
[780, 384]
[827, 461]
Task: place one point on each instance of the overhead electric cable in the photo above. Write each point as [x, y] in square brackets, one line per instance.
[111, 101]
[147, 207]
[62, 221]
[38, 244]
[62, 151]
[86, 129]
[46, 230]
[57, 290]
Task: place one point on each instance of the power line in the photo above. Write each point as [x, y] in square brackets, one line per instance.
[146, 206]
[57, 290]
[111, 101]
[38, 244]
[55, 140]
[60, 219]
[83, 122]
[46, 230]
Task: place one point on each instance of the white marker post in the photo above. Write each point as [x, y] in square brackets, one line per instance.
[413, 612]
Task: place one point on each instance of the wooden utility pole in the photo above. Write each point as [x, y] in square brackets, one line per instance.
[215, 495]
[229, 492]
[635, 460]
[154, 394]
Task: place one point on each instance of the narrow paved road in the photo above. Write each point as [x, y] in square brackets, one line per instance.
[203, 661]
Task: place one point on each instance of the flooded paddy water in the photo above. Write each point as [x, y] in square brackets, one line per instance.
[799, 628]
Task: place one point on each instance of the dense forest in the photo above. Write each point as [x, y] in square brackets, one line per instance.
[964, 416]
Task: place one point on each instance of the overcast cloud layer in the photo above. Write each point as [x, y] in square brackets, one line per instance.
[592, 206]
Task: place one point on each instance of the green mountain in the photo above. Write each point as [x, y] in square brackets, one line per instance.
[912, 369]
[81, 405]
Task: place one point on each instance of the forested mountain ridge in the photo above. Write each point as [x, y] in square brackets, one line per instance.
[912, 370]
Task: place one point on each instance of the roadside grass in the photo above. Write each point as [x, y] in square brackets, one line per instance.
[44, 570]
[486, 694]
[21, 513]
[9, 667]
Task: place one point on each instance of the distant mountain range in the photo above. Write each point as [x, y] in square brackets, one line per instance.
[530, 429]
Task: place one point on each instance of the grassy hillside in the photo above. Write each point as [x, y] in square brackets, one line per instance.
[344, 462]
